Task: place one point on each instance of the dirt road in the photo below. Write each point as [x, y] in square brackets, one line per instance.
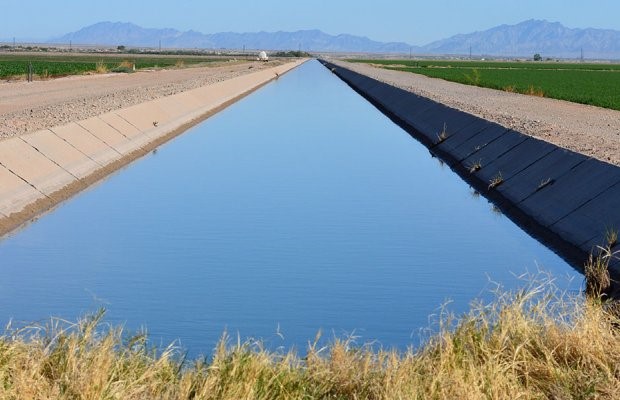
[27, 107]
[585, 129]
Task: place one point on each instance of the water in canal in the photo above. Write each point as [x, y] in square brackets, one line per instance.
[299, 208]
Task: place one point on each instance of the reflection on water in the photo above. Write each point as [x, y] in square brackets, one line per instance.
[297, 209]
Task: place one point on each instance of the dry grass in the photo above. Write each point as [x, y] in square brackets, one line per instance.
[45, 75]
[475, 166]
[496, 181]
[544, 183]
[598, 280]
[534, 343]
[443, 135]
[611, 237]
[124, 67]
[126, 64]
[533, 91]
[101, 68]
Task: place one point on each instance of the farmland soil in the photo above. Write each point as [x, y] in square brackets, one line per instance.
[589, 130]
[27, 107]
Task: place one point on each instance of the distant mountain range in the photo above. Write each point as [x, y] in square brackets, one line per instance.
[118, 33]
[550, 39]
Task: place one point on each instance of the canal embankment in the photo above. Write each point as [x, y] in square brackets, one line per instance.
[586, 129]
[39, 170]
[564, 198]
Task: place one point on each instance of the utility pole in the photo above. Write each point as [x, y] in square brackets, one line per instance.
[582, 54]
[160, 45]
[13, 41]
[470, 52]
[70, 45]
[410, 52]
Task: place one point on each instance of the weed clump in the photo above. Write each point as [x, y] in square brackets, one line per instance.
[101, 68]
[496, 181]
[473, 78]
[475, 166]
[532, 91]
[125, 67]
[598, 281]
[611, 237]
[600, 288]
[443, 135]
[544, 183]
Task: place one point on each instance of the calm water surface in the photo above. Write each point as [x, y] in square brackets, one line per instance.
[296, 209]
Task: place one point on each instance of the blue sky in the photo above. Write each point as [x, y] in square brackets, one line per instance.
[414, 22]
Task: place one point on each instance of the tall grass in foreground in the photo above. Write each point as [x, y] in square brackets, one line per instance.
[534, 343]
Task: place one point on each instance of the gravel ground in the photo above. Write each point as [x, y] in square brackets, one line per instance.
[28, 107]
[585, 129]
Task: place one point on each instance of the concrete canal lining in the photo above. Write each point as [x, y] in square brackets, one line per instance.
[41, 169]
[565, 199]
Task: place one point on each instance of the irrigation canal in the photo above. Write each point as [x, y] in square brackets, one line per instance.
[299, 208]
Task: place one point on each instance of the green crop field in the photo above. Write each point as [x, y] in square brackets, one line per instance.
[594, 84]
[55, 65]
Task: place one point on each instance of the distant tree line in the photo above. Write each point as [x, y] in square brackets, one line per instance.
[290, 54]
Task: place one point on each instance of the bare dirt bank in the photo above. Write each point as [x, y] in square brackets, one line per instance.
[589, 130]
